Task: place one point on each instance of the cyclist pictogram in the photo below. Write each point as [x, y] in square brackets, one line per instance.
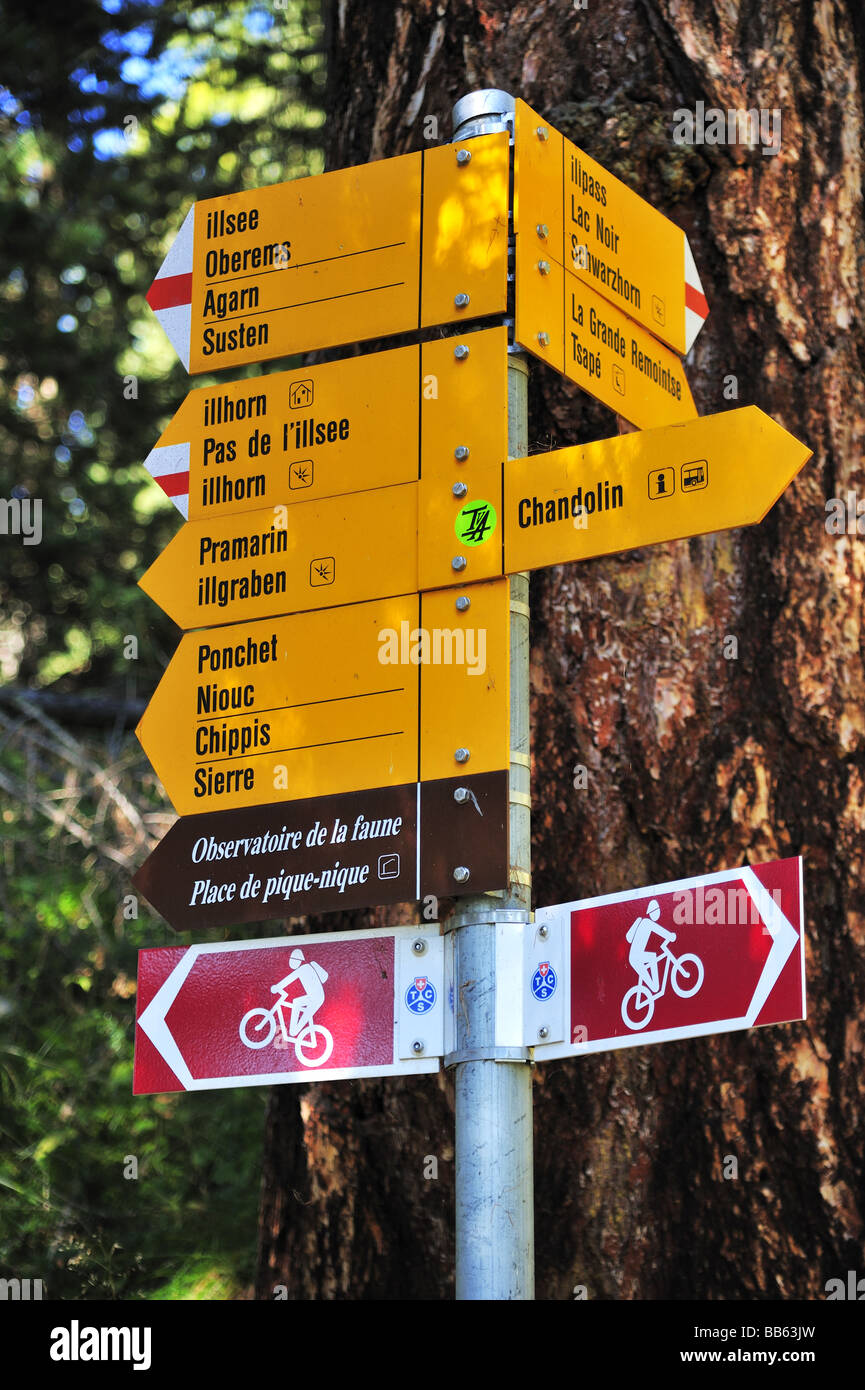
[312, 1042]
[685, 973]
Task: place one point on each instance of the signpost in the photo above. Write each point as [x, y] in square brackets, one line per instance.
[564, 322]
[698, 956]
[604, 233]
[332, 853]
[417, 414]
[259, 1013]
[339, 700]
[342, 726]
[292, 436]
[289, 559]
[641, 489]
[339, 257]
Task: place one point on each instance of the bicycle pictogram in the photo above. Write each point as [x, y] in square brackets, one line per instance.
[312, 1042]
[684, 973]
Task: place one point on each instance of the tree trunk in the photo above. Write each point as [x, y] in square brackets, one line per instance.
[696, 761]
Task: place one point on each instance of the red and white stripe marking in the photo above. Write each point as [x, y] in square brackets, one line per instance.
[169, 465]
[170, 295]
[696, 304]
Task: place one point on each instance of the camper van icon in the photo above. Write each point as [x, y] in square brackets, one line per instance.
[695, 475]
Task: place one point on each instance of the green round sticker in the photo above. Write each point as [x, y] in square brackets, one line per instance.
[476, 522]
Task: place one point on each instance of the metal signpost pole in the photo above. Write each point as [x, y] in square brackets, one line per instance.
[494, 1179]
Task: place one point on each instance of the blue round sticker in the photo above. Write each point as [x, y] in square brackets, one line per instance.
[544, 981]
[420, 995]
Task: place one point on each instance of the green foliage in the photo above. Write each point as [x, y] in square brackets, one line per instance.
[111, 124]
[70, 1212]
[113, 117]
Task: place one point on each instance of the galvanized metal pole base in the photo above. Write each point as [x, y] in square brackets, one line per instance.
[494, 1168]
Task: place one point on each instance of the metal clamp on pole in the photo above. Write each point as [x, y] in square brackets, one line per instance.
[474, 911]
[487, 1054]
[483, 113]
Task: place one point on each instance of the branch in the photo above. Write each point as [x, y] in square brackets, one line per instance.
[75, 709]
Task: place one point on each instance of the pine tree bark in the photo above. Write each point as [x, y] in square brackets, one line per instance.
[695, 761]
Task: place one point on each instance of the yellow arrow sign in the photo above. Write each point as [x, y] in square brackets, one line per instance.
[568, 207]
[289, 559]
[640, 489]
[377, 537]
[561, 320]
[358, 253]
[292, 436]
[372, 695]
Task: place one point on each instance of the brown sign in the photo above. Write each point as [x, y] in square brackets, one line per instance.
[331, 853]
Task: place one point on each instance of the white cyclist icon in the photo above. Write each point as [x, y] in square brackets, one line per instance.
[313, 1043]
[685, 973]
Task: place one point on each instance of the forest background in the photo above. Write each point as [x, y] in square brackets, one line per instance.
[113, 117]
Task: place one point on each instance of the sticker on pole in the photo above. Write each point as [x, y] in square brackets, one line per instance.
[476, 522]
[420, 995]
[544, 981]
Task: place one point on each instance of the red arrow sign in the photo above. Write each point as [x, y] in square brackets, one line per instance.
[682, 959]
[256, 1013]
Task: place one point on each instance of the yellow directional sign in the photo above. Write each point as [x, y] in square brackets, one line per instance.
[574, 212]
[386, 531]
[640, 489]
[561, 320]
[347, 426]
[341, 257]
[371, 695]
[346, 549]
[292, 436]
[289, 559]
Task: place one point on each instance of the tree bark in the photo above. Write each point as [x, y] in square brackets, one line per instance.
[695, 762]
